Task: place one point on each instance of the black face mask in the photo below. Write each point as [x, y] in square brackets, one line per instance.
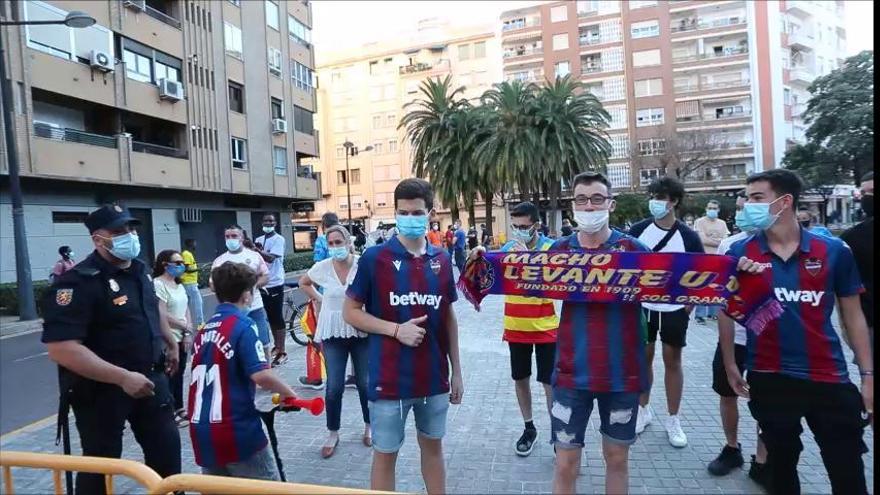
[868, 204]
[805, 224]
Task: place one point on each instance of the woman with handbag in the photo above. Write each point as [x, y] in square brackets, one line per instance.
[338, 339]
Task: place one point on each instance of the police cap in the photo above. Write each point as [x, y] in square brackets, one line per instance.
[110, 217]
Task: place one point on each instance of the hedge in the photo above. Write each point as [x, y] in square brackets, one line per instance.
[9, 292]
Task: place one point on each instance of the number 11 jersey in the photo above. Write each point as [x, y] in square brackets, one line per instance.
[224, 425]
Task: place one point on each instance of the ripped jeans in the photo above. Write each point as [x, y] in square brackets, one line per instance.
[571, 412]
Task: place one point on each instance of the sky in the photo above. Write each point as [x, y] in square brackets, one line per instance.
[350, 24]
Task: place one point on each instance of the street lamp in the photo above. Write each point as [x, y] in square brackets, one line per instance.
[27, 306]
[350, 150]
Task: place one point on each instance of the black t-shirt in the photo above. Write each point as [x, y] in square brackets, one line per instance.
[566, 231]
[472, 238]
[114, 312]
[860, 239]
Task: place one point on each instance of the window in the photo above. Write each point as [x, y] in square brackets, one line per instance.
[145, 64]
[619, 175]
[618, 116]
[638, 4]
[729, 111]
[239, 153]
[392, 146]
[613, 89]
[62, 41]
[341, 179]
[559, 13]
[619, 146]
[166, 72]
[649, 116]
[649, 87]
[645, 29]
[355, 176]
[480, 49]
[277, 108]
[275, 61]
[560, 41]
[391, 120]
[786, 96]
[381, 200]
[377, 121]
[272, 14]
[464, 52]
[303, 120]
[563, 69]
[389, 92]
[232, 39]
[236, 97]
[302, 76]
[298, 31]
[374, 67]
[137, 66]
[340, 152]
[646, 57]
[279, 160]
[653, 146]
[237, 3]
[377, 148]
[647, 175]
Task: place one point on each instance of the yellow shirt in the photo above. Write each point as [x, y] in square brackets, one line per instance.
[190, 261]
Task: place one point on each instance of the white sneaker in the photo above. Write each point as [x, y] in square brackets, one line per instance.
[677, 438]
[643, 418]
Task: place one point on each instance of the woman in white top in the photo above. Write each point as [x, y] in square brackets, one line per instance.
[338, 339]
[174, 310]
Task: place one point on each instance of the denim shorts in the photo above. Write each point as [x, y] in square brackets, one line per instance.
[262, 321]
[260, 466]
[571, 413]
[388, 420]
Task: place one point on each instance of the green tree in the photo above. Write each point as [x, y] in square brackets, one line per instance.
[820, 169]
[629, 208]
[572, 124]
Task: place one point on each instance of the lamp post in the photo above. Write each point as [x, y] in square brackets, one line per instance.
[350, 150]
[26, 304]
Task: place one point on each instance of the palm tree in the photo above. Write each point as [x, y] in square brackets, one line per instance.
[430, 123]
[571, 123]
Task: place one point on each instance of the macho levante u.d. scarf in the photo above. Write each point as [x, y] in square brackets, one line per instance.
[624, 277]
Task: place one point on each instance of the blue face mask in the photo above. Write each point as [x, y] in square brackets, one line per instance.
[338, 253]
[233, 244]
[412, 226]
[713, 214]
[744, 223]
[658, 208]
[759, 214]
[523, 235]
[175, 270]
[126, 246]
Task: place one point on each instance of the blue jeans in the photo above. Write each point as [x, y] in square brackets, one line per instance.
[262, 321]
[706, 311]
[195, 304]
[336, 352]
[571, 412]
[389, 420]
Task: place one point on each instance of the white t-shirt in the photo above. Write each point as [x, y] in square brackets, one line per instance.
[254, 261]
[274, 245]
[330, 321]
[740, 337]
[175, 300]
[684, 240]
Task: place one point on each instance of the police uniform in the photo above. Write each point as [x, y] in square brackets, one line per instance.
[114, 312]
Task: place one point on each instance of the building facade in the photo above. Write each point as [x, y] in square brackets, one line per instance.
[362, 98]
[714, 90]
[195, 113]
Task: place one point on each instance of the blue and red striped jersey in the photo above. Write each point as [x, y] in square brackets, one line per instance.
[394, 285]
[224, 425]
[601, 347]
[802, 343]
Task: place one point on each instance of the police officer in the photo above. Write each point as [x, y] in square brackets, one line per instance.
[102, 327]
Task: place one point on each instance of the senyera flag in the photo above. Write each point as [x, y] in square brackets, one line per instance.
[624, 277]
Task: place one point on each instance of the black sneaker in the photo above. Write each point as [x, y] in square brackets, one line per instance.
[728, 460]
[526, 442]
[760, 474]
[350, 382]
[315, 385]
[700, 320]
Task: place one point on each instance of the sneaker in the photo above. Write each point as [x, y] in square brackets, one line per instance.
[315, 385]
[350, 382]
[643, 418]
[677, 438]
[279, 359]
[700, 320]
[729, 459]
[760, 474]
[526, 442]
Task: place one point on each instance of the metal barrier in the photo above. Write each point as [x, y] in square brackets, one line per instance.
[151, 481]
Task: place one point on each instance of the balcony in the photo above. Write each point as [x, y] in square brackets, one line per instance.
[307, 188]
[696, 24]
[694, 86]
[162, 16]
[155, 149]
[419, 67]
[801, 75]
[533, 75]
[517, 24]
[73, 136]
[305, 144]
[591, 68]
[799, 8]
[732, 51]
[157, 169]
[801, 41]
[74, 154]
[525, 52]
[587, 38]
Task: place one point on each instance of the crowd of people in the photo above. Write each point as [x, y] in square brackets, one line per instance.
[122, 338]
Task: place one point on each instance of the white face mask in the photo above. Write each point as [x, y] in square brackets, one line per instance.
[591, 221]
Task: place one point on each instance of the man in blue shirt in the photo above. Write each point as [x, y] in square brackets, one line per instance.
[805, 218]
[459, 246]
[328, 220]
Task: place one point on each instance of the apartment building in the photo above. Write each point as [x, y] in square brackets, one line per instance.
[196, 113]
[713, 88]
[362, 97]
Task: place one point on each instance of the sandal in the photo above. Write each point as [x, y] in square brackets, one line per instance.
[181, 418]
[367, 439]
[327, 451]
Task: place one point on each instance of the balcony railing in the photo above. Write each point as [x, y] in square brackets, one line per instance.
[523, 53]
[531, 22]
[690, 119]
[73, 136]
[693, 24]
[155, 149]
[593, 38]
[732, 51]
[694, 86]
[591, 68]
[414, 68]
[162, 16]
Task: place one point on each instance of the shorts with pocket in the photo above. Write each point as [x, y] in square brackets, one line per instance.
[719, 375]
[388, 420]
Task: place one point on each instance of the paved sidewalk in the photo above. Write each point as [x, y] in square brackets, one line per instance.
[482, 430]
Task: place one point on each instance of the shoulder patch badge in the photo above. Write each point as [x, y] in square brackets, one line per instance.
[63, 297]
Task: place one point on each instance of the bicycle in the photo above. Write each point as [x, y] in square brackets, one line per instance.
[293, 313]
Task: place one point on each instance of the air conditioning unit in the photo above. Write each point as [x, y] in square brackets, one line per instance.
[279, 126]
[139, 5]
[101, 61]
[170, 90]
